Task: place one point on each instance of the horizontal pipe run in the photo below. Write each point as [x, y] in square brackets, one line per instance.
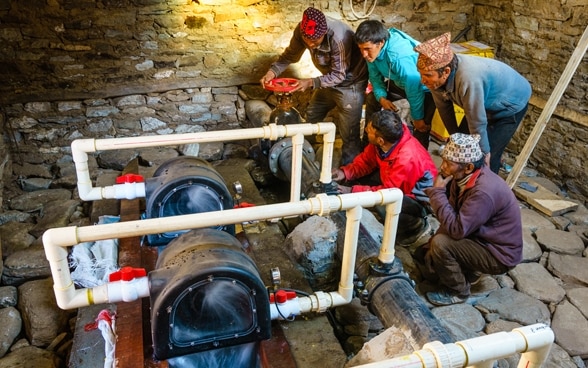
[534, 342]
[55, 240]
[81, 147]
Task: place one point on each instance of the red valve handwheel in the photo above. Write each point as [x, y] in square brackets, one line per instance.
[281, 84]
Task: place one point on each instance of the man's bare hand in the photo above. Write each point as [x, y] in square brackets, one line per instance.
[337, 175]
[303, 85]
[267, 77]
[388, 105]
[343, 189]
[441, 182]
[420, 126]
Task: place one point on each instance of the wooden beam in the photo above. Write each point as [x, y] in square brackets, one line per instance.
[134, 345]
[561, 111]
[558, 91]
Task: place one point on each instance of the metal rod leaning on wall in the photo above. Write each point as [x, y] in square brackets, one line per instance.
[558, 91]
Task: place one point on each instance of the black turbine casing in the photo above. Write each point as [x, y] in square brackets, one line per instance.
[206, 293]
[181, 186]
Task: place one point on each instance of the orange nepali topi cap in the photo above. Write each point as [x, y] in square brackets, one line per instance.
[434, 53]
[314, 24]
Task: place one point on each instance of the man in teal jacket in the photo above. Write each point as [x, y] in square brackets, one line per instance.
[391, 61]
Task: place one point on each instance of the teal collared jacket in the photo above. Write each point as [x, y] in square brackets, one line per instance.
[397, 62]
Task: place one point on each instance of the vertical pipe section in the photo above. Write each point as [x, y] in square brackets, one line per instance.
[386, 253]
[349, 253]
[295, 183]
[328, 147]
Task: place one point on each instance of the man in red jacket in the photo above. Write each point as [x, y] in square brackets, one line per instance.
[403, 163]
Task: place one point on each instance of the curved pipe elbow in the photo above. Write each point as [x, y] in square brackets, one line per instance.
[72, 298]
[328, 130]
[80, 147]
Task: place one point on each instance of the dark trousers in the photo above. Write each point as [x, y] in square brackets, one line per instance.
[449, 261]
[347, 103]
[500, 132]
[396, 93]
[411, 219]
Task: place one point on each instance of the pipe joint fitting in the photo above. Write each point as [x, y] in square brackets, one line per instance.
[373, 282]
[128, 291]
[440, 352]
[381, 269]
[129, 190]
[323, 301]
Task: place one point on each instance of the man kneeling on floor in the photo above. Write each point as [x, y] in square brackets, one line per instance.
[402, 163]
[480, 227]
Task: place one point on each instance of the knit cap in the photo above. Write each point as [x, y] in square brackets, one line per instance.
[463, 148]
[314, 24]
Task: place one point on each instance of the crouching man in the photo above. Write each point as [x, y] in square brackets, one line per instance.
[401, 162]
[480, 222]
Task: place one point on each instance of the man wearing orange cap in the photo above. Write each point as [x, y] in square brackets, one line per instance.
[343, 83]
[479, 217]
[493, 95]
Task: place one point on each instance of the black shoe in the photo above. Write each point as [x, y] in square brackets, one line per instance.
[407, 241]
[441, 298]
[473, 277]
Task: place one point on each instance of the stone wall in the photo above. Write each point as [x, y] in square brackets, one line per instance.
[538, 38]
[114, 68]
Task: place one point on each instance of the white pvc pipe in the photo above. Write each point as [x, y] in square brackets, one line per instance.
[296, 182]
[57, 240]
[81, 147]
[534, 342]
[345, 289]
[321, 301]
[538, 338]
[328, 146]
[386, 254]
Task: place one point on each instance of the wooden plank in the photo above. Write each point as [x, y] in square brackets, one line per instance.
[543, 199]
[131, 316]
[275, 352]
[543, 119]
[563, 112]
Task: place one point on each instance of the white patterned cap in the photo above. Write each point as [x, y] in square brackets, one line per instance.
[463, 148]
